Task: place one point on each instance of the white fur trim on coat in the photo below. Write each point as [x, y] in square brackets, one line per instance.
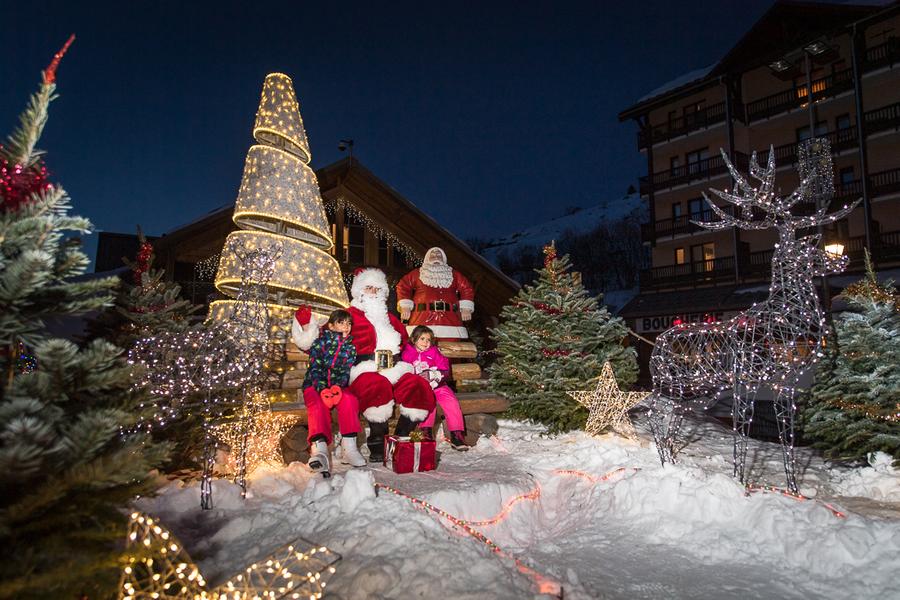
[366, 366]
[397, 371]
[416, 415]
[406, 304]
[379, 414]
[304, 336]
[467, 305]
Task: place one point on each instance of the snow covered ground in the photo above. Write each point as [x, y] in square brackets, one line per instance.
[602, 519]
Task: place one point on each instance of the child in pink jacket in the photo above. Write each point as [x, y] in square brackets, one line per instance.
[423, 354]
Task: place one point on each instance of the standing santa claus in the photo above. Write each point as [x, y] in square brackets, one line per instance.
[376, 335]
[437, 296]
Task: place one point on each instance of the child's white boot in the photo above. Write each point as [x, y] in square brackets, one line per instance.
[350, 453]
[318, 459]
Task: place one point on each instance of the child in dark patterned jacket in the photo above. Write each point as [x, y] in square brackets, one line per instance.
[325, 386]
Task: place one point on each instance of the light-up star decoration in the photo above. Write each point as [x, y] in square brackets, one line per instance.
[608, 406]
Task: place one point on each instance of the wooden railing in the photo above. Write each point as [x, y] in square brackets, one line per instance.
[702, 169]
[710, 115]
[824, 87]
[882, 118]
[882, 55]
[692, 273]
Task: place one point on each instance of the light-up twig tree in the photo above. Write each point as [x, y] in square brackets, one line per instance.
[772, 343]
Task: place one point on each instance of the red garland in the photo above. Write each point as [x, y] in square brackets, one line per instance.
[144, 257]
[18, 184]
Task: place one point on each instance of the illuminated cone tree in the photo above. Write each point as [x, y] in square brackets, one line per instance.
[279, 204]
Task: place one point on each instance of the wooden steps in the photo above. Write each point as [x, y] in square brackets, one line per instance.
[470, 402]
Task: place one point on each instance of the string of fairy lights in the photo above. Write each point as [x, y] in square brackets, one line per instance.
[158, 566]
[774, 342]
[333, 205]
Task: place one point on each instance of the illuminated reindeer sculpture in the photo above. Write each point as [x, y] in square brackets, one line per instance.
[773, 342]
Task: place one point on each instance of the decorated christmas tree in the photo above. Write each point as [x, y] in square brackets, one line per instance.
[145, 303]
[854, 407]
[279, 205]
[554, 337]
[66, 472]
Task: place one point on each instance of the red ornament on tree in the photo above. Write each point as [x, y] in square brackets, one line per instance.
[18, 183]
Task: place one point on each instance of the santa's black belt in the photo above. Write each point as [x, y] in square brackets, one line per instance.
[438, 306]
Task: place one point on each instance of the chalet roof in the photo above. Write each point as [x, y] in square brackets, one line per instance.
[787, 25]
[379, 201]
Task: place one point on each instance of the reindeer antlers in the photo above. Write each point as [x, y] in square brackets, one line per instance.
[746, 197]
[816, 177]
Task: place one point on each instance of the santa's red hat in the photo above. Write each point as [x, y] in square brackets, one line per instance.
[365, 277]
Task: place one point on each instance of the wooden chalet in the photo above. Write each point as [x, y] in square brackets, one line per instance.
[372, 225]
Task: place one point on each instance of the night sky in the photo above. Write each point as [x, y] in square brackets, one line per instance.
[487, 115]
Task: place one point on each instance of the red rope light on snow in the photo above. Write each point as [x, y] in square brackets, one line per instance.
[798, 497]
[594, 478]
[544, 584]
[532, 495]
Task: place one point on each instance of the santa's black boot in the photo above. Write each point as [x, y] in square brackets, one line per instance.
[404, 426]
[375, 441]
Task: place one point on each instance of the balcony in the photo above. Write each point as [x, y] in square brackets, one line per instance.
[882, 55]
[883, 118]
[786, 154]
[825, 87]
[885, 248]
[678, 225]
[701, 119]
[884, 183]
[702, 169]
[701, 272]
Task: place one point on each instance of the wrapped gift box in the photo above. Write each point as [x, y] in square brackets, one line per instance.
[406, 456]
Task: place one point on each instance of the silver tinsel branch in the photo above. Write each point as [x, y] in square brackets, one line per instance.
[771, 344]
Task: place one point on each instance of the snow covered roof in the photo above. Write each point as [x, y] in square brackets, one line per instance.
[678, 82]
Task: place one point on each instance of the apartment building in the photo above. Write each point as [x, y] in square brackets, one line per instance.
[804, 69]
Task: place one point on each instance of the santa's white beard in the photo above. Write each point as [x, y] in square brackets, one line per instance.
[436, 275]
[375, 309]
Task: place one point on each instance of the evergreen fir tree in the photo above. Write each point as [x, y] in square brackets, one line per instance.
[147, 305]
[66, 473]
[854, 406]
[554, 337]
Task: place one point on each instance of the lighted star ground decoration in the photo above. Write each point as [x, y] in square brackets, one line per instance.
[607, 405]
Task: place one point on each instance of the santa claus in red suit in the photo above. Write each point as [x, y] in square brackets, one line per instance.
[437, 296]
[374, 329]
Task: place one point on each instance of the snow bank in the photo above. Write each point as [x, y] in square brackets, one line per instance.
[642, 531]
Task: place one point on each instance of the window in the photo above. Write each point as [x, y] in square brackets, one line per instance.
[803, 132]
[674, 163]
[680, 257]
[676, 210]
[354, 242]
[694, 111]
[704, 256]
[696, 160]
[695, 208]
[818, 83]
[383, 252]
[847, 176]
[398, 260]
